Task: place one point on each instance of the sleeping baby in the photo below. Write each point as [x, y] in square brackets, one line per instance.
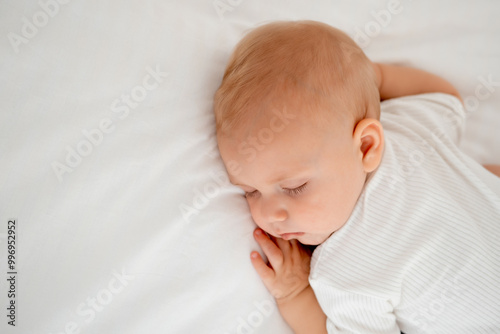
[407, 225]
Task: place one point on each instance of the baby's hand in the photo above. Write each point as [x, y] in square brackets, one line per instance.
[287, 273]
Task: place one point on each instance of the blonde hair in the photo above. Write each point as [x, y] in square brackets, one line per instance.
[308, 61]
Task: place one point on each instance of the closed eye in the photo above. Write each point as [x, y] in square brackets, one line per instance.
[296, 191]
[290, 191]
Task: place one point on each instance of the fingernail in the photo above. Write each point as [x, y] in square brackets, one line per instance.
[258, 231]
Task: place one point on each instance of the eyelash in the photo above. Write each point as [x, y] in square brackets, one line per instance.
[296, 191]
[292, 192]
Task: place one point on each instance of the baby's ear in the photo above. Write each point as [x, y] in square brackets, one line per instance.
[369, 138]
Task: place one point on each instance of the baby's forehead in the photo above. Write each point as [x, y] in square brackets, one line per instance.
[278, 129]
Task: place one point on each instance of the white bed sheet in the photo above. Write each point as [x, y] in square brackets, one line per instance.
[140, 233]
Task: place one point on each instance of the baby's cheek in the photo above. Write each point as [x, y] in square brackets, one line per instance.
[316, 204]
[320, 213]
[255, 216]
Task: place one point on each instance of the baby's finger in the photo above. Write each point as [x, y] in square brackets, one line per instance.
[284, 245]
[265, 273]
[296, 249]
[272, 251]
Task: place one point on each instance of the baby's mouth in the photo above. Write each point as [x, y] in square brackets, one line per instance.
[288, 236]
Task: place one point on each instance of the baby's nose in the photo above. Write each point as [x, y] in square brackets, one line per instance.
[273, 211]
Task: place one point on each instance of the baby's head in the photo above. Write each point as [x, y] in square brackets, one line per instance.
[297, 127]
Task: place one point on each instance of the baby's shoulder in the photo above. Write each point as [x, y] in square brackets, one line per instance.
[431, 114]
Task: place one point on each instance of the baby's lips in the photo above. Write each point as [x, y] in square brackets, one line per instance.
[288, 236]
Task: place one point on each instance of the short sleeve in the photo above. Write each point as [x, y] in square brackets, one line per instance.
[349, 312]
[433, 114]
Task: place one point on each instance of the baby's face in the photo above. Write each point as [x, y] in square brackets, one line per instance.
[301, 181]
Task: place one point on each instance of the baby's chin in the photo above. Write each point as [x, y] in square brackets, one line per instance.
[311, 240]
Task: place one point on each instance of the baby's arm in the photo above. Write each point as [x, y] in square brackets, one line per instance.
[495, 169]
[286, 277]
[396, 81]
